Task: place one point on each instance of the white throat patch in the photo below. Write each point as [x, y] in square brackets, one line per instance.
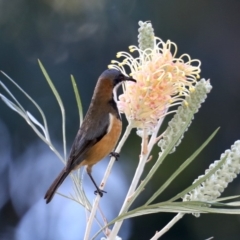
[115, 96]
[115, 92]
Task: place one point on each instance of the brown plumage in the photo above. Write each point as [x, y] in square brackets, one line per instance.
[99, 132]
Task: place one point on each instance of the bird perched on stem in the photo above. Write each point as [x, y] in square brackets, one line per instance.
[99, 132]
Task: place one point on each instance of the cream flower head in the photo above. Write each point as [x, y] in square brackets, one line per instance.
[162, 82]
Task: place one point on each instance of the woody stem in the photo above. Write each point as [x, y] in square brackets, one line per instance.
[167, 227]
[131, 192]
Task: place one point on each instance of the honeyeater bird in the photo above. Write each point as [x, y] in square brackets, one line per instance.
[99, 132]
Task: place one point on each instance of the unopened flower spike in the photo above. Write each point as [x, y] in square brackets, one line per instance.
[184, 114]
[213, 186]
[146, 36]
[163, 81]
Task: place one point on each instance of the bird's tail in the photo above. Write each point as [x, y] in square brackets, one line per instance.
[55, 185]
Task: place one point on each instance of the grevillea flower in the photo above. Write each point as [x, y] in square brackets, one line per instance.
[163, 80]
[212, 187]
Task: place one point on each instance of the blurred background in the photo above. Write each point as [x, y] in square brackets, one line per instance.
[81, 37]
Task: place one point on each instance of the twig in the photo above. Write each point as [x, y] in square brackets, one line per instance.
[106, 175]
[167, 227]
[129, 198]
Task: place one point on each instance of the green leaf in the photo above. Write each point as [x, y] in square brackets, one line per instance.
[226, 198]
[181, 168]
[36, 122]
[28, 116]
[12, 105]
[181, 207]
[78, 99]
[9, 92]
[188, 207]
[31, 99]
[59, 100]
[198, 182]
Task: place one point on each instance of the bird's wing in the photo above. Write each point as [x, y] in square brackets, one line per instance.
[88, 135]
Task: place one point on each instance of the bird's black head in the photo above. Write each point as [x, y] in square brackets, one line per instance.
[116, 76]
[107, 85]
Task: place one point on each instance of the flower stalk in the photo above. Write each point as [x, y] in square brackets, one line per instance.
[131, 195]
[168, 226]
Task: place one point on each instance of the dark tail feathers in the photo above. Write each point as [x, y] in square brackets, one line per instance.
[55, 185]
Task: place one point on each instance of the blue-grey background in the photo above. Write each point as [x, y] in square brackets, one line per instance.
[81, 37]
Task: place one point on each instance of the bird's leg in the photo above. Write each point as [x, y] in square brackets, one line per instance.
[114, 154]
[98, 191]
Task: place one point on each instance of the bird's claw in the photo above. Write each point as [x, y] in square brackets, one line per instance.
[114, 154]
[100, 192]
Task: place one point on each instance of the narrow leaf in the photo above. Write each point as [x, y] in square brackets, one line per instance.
[10, 94]
[181, 168]
[36, 122]
[59, 100]
[11, 105]
[198, 182]
[226, 198]
[35, 104]
[78, 99]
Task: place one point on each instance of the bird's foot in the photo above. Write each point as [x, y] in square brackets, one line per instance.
[114, 154]
[100, 192]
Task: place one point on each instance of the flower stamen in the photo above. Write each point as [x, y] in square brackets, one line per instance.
[163, 81]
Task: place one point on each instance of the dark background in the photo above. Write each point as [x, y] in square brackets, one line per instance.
[81, 37]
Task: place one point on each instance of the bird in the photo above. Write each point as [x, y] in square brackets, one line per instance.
[99, 131]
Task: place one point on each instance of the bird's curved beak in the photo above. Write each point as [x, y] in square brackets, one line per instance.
[126, 78]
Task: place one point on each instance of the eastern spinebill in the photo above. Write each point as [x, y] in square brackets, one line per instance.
[99, 132]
